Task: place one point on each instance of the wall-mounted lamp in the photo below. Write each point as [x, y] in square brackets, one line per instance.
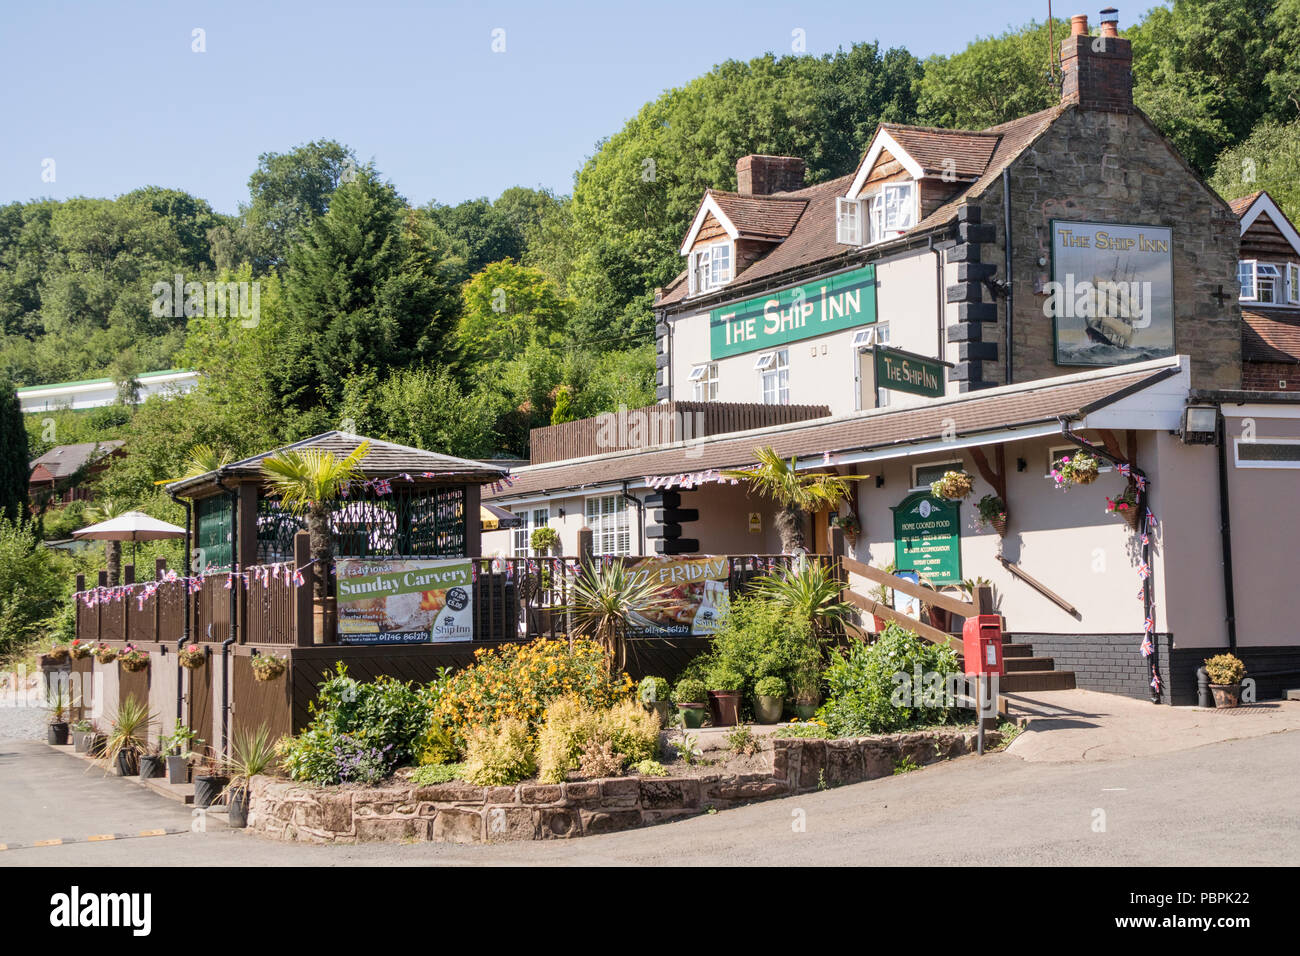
[1200, 425]
[880, 481]
[1021, 464]
[561, 512]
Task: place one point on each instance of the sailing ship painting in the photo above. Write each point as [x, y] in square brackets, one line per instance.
[1112, 294]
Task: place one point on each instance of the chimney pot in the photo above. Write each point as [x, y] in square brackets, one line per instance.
[1110, 22]
[1079, 25]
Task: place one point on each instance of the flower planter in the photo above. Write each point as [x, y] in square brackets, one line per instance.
[207, 789]
[805, 708]
[724, 707]
[81, 740]
[177, 769]
[267, 667]
[1226, 695]
[693, 714]
[127, 764]
[151, 766]
[767, 710]
[237, 808]
[57, 657]
[57, 733]
[999, 525]
[133, 665]
[192, 660]
[954, 486]
[661, 707]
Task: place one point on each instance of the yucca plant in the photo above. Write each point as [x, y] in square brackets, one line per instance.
[308, 483]
[252, 752]
[128, 733]
[796, 494]
[808, 591]
[601, 600]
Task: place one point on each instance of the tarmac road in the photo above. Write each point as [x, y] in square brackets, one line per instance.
[1230, 802]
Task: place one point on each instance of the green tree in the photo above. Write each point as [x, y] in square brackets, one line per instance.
[1268, 159]
[424, 408]
[33, 581]
[506, 308]
[15, 465]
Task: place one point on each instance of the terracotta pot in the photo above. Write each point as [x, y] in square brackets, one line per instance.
[1226, 695]
[767, 709]
[324, 614]
[724, 707]
[693, 714]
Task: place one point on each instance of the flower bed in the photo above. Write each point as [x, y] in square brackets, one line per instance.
[457, 812]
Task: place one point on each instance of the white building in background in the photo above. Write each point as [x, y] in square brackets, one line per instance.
[98, 392]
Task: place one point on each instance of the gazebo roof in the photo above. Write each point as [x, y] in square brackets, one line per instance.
[385, 460]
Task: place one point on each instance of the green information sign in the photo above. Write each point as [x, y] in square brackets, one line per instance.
[927, 538]
[908, 372]
[816, 308]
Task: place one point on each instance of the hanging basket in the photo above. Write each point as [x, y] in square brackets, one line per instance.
[954, 485]
[1000, 525]
[267, 667]
[1125, 505]
[80, 650]
[133, 660]
[105, 654]
[1079, 468]
[192, 657]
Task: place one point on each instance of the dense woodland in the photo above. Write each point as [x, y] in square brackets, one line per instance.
[460, 327]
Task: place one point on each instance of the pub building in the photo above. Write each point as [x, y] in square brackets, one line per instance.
[989, 301]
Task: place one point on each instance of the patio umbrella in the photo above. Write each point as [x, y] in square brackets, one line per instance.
[132, 526]
[497, 519]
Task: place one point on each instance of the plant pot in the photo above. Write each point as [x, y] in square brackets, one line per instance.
[95, 746]
[999, 525]
[724, 707]
[693, 714]
[127, 763]
[207, 789]
[237, 808]
[177, 769]
[1226, 695]
[805, 708]
[880, 623]
[324, 613]
[767, 710]
[150, 767]
[81, 740]
[57, 733]
[661, 707]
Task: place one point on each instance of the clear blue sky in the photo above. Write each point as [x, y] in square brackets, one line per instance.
[113, 93]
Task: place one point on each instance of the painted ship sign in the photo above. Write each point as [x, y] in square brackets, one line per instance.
[828, 305]
[908, 372]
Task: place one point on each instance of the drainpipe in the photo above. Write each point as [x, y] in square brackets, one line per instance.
[1225, 539]
[234, 607]
[640, 515]
[1147, 611]
[1011, 296]
[185, 630]
[941, 349]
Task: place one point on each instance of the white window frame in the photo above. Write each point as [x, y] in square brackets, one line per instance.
[774, 377]
[521, 538]
[884, 217]
[877, 333]
[1292, 283]
[1058, 451]
[952, 464]
[704, 382]
[1262, 271]
[1281, 465]
[849, 220]
[708, 270]
[610, 524]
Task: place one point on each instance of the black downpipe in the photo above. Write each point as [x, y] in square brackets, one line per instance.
[640, 516]
[234, 618]
[1225, 539]
[1006, 241]
[1147, 596]
[185, 630]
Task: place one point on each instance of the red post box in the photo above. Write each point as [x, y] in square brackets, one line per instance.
[981, 644]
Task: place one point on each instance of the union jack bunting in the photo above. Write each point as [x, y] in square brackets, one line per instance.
[1141, 482]
[1156, 682]
[1124, 468]
[1151, 518]
[1147, 647]
[230, 581]
[1146, 538]
[1149, 625]
[1144, 570]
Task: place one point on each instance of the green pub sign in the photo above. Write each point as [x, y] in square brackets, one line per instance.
[815, 308]
[907, 372]
[927, 538]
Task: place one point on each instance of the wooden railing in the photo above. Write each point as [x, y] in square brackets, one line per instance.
[928, 596]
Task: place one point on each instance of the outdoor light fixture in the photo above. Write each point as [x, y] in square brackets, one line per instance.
[880, 481]
[1200, 425]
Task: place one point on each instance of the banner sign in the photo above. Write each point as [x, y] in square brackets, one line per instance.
[907, 372]
[1111, 298]
[816, 308]
[693, 595]
[404, 601]
[927, 538]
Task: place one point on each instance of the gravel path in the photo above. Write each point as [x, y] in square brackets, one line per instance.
[20, 718]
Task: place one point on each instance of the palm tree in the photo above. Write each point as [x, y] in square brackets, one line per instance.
[308, 483]
[107, 509]
[200, 460]
[601, 600]
[795, 494]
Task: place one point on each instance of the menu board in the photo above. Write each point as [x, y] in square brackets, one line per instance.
[693, 595]
[404, 600]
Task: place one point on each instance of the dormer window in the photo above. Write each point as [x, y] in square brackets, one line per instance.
[893, 210]
[848, 221]
[1261, 282]
[710, 267]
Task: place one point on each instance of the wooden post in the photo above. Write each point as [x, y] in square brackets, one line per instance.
[473, 521]
[102, 581]
[159, 567]
[302, 615]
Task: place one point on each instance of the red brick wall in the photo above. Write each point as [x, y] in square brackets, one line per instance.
[1267, 376]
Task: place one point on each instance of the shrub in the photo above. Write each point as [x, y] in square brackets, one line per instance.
[500, 754]
[690, 690]
[544, 540]
[872, 687]
[567, 728]
[812, 729]
[770, 687]
[758, 638]
[807, 591]
[742, 742]
[652, 690]
[599, 759]
[725, 677]
[33, 582]
[577, 736]
[634, 732]
[437, 773]
[521, 680]
[650, 768]
[1225, 669]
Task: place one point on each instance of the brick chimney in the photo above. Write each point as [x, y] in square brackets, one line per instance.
[762, 175]
[1097, 71]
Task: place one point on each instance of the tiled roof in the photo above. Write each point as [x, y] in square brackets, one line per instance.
[384, 460]
[63, 460]
[1242, 205]
[760, 217]
[1270, 336]
[812, 240]
[1020, 405]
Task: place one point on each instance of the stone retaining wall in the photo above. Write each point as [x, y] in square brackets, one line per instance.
[461, 813]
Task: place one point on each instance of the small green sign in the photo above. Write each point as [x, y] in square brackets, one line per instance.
[927, 537]
[815, 308]
[908, 372]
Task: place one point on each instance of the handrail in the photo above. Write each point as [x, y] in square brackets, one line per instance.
[928, 595]
[931, 634]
